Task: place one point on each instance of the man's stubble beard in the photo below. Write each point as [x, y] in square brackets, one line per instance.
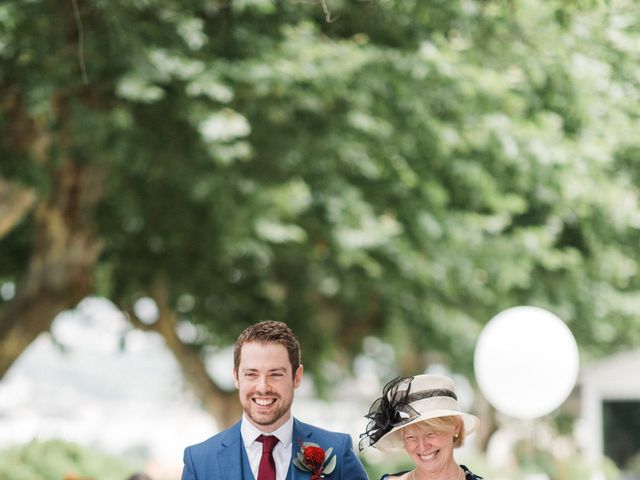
[267, 420]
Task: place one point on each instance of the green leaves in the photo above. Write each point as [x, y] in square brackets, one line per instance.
[55, 459]
[312, 458]
[412, 165]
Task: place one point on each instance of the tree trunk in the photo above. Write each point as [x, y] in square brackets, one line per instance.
[15, 202]
[224, 406]
[65, 248]
[488, 424]
[60, 270]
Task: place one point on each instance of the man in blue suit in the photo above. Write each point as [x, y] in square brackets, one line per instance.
[267, 370]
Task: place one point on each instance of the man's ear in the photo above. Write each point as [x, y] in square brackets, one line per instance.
[235, 379]
[297, 377]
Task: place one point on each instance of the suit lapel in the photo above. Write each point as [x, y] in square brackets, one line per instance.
[301, 433]
[232, 457]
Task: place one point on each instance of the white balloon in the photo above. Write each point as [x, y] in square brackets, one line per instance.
[526, 362]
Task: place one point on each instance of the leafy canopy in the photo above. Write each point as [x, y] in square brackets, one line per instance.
[406, 171]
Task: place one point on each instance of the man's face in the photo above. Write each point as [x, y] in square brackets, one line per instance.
[265, 384]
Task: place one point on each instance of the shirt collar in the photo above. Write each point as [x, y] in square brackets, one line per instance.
[249, 432]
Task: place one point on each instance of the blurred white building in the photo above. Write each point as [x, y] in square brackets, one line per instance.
[610, 398]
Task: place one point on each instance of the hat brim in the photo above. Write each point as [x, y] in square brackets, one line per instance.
[393, 441]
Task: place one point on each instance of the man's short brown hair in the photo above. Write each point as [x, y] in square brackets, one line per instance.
[269, 331]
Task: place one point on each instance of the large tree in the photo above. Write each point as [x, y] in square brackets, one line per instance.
[404, 170]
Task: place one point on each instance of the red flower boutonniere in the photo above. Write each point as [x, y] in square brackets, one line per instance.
[312, 458]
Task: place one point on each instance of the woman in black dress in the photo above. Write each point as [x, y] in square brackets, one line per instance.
[421, 415]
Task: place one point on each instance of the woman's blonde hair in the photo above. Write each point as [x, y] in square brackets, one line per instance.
[452, 424]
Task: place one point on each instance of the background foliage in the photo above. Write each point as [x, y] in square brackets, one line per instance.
[404, 171]
[57, 460]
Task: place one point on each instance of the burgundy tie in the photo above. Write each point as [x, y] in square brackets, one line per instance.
[267, 469]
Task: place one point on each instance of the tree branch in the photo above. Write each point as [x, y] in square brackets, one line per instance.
[221, 404]
[60, 270]
[15, 202]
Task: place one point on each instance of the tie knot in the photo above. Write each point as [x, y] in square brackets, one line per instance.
[268, 442]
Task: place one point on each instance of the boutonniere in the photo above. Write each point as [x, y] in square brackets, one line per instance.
[312, 458]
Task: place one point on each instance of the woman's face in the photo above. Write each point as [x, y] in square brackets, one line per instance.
[432, 451]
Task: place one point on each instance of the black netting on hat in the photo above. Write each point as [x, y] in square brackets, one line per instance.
[389, 411]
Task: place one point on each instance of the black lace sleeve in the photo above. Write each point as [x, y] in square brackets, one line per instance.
[387, 476]
[469, 475]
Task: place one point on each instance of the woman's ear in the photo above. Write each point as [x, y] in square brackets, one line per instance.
[458, 429]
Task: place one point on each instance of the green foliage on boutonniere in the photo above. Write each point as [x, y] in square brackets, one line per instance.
[312, 458]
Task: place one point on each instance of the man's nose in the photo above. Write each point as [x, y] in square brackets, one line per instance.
[263, 383]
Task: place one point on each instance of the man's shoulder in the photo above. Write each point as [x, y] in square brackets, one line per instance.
[320, 432]
[220, 439]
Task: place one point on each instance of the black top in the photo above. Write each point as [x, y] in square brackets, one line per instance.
[468, 475]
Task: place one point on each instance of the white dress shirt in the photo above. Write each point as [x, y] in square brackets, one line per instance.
[281, 452]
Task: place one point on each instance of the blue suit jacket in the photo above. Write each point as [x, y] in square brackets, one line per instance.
[223, 457]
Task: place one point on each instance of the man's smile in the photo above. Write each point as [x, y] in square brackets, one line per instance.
[264, 402]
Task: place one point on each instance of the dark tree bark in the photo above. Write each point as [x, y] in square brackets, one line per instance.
[15, 202]
[223, 405]
[488, 425]
[60, 270]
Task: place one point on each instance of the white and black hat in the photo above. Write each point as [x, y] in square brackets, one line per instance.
[409, 400]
